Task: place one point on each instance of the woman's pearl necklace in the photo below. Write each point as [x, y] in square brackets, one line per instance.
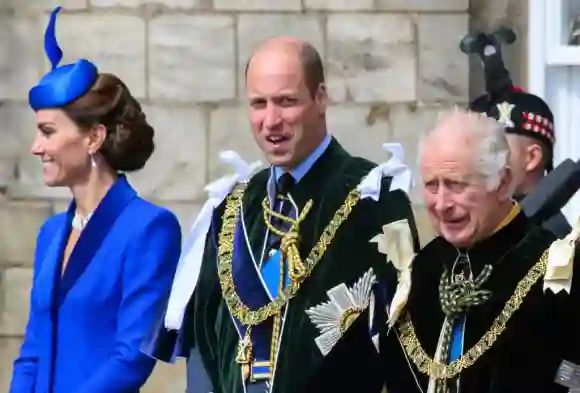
[79, 222]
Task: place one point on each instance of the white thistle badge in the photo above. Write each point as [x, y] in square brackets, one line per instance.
[334, 317]
[396, 242]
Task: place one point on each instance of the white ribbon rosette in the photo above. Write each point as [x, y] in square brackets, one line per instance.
[396, 242]
[370, 186]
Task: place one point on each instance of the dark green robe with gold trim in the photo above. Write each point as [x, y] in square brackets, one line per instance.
[544, 331]
[208, 324]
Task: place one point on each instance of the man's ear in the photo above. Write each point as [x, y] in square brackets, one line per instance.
[534, 157]
[321, 98]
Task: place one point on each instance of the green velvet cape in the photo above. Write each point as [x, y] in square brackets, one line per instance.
[544, 331]
[208, 323]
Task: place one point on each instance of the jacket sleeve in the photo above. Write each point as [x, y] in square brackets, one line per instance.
[150, 265]
[26, 364]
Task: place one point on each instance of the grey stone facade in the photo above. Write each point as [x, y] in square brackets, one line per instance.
[392, 65]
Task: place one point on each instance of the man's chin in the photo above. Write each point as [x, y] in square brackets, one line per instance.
[460, 238]
[285, 160]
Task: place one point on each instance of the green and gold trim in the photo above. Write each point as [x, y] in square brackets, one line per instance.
[433, 369]
[241, 311]
[226, 247]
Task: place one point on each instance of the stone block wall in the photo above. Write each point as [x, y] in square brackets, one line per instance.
[391, 66]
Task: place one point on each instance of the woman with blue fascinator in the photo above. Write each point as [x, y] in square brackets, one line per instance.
[103, 269]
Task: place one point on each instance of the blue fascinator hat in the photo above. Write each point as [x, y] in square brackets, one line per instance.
[63, 84]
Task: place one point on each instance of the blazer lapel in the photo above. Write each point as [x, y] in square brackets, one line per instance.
[95, 232]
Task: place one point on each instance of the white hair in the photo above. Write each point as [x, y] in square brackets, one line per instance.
[489, 141]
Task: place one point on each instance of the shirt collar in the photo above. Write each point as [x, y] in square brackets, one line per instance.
[302, 169]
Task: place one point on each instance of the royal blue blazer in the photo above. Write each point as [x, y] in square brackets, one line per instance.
[86, 325]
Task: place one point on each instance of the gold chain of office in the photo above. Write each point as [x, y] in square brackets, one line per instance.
[437, 370]
[226, 248]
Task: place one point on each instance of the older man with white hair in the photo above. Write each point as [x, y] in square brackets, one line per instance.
[492, 307]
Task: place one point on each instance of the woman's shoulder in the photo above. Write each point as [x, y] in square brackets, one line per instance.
[146, 212]
[52, 224]
[47, 232]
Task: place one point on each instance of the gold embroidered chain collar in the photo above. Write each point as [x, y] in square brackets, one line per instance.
[226, 248]
[427, 365]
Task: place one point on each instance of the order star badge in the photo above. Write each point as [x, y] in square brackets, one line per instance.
[335, 316]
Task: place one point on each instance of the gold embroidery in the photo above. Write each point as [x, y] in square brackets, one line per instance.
[347, 317]
[427, 365]
[237, 308]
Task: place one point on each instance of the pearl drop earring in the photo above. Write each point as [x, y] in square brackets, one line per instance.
[93, 162]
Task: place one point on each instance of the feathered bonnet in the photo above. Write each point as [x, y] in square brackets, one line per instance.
[520, 112]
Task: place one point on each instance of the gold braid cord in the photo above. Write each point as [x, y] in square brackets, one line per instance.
[289, 239]
[226, 248]
[298, 270]
[427, 365]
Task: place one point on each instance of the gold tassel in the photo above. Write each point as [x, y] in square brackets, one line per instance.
[289, 247]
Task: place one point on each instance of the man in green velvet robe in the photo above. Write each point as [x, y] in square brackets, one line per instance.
[490, 310]
[288, 264]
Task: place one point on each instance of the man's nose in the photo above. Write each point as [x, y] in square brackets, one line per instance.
[272, 116]
[442, 200]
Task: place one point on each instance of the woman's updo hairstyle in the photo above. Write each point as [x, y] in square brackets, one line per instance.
[129, 142]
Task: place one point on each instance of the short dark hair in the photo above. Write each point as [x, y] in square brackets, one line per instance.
[312, 67]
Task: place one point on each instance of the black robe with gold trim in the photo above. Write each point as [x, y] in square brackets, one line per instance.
[543, 332]
[208, 324]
